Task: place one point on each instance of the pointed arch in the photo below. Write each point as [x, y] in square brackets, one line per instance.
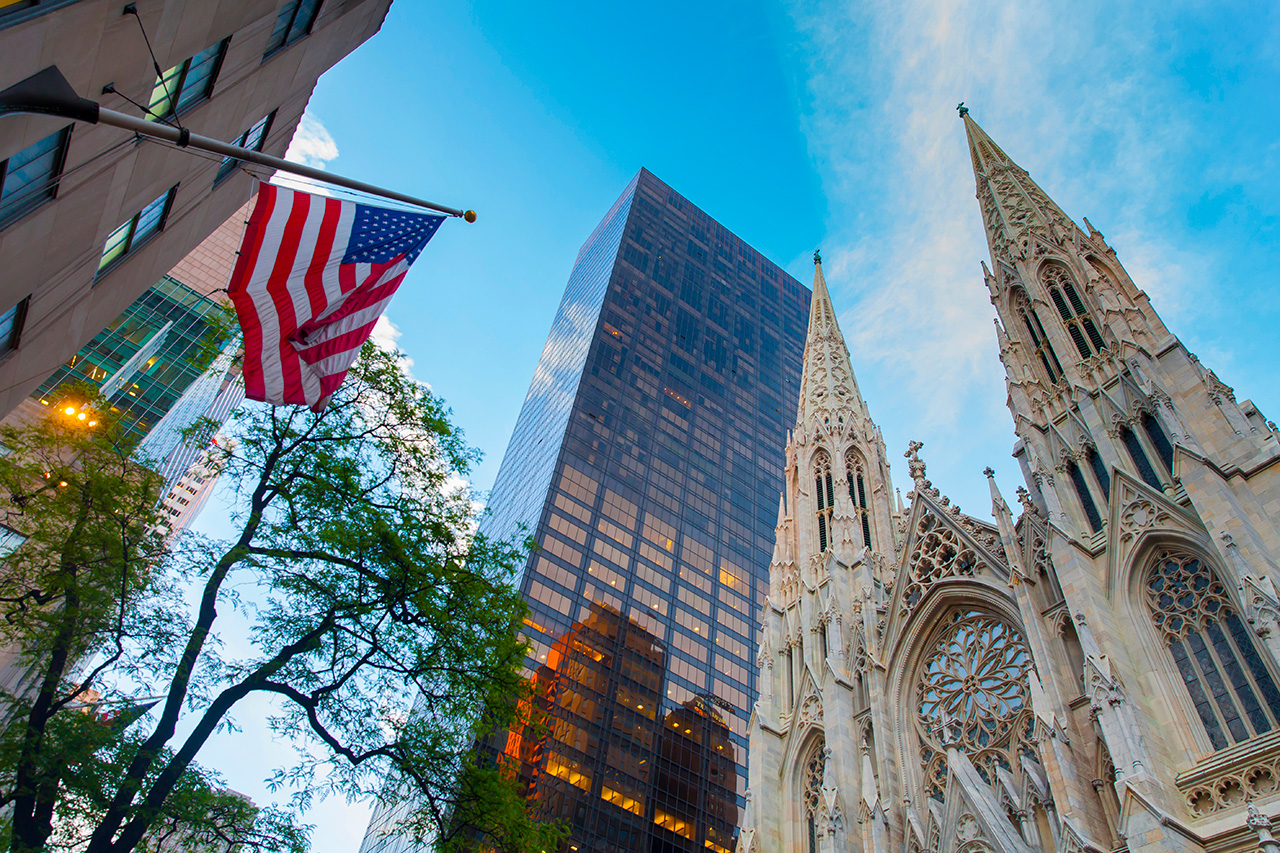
[1159, 438]
[810, 788]
[825, 497]
[1083, 495]
[1133, 446]
[1226, 676]
[1104, 786]
[1081, 328]
[859, 484]
[1037, 340]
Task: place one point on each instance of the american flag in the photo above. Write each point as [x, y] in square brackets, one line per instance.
[314, 275]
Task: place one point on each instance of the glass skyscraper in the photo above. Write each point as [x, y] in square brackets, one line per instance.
[149, 357]
[647, 463]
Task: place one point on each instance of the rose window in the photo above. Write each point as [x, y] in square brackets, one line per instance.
[974, 682]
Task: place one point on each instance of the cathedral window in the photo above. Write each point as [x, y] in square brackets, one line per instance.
[1230, 686]
[791, 679]
[1037, 339]
[811, 793]
[1139, 457]
[1159, 440]
[1100, 472]
[973, 683]
[1084, 495]
[1080, 326]
[858, 496]
[826, 500]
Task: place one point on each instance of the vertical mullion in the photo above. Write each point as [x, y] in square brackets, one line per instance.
[1239, 682]
[1222, 695]
[1203, 704]
[128, 241]
[176, 95]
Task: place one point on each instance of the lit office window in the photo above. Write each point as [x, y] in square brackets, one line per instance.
[136, 231]
[294, 22]
[253, 139]
[30, 177]
[11, 328]
[186, 83]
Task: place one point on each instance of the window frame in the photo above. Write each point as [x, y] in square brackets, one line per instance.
[54, 180]
[1082, 329]
[1191, 666]
[174, 97]
[287, 42]
[1038, 343]
[13, 341]
[131, 244]
[25, 10]
[7, 535]
[230, 165]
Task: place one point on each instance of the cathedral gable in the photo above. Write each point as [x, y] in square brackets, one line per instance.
[1136, 514]
[938, 548]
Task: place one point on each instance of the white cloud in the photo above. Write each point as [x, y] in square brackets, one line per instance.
[884, 83]
[312, 145]
[386, 335]
[1072, 93]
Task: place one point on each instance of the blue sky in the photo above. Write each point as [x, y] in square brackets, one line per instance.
[826, 123]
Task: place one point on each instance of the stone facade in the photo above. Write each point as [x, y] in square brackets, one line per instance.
[1096, 672]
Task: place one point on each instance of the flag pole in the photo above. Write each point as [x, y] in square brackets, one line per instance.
[48, 92]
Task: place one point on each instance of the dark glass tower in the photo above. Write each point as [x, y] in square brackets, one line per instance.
[647, 463]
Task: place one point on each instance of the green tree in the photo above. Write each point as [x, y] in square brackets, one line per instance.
[358, 575]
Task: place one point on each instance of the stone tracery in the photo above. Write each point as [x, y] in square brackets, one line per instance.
[974, 683]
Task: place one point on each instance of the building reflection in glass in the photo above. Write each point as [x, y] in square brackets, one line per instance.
[642, 772]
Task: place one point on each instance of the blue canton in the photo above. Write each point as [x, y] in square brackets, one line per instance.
[378, 235]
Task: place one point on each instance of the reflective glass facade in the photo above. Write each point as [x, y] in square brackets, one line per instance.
[149, 356]
[647, 462]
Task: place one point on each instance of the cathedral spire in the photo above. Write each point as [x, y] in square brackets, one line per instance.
[828, 389]
[1015, 211]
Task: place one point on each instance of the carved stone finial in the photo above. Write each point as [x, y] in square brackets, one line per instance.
[817, 257]
[914, 463]
[962, 109]
[989, 471]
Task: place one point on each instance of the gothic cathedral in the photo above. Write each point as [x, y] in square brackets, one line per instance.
[1097, 674]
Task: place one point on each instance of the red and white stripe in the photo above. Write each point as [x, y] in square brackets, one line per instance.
[303, 312]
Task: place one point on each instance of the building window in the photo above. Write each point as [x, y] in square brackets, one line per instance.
[16, 11]
[812, 791]
[1159, 440]
[974, 682]
[30, 177]
[1037, 339]
[1100, 472]
[10, 539]
[11, 323]
[1086, 498]
[295, 21]
[1080, 325]
[253, 139]
[858, 496]
[1230, 685]
[136, 231]
[186, 83]
[1139, 457]
[826, 500]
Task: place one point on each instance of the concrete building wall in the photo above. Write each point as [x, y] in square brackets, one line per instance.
[50, 255]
